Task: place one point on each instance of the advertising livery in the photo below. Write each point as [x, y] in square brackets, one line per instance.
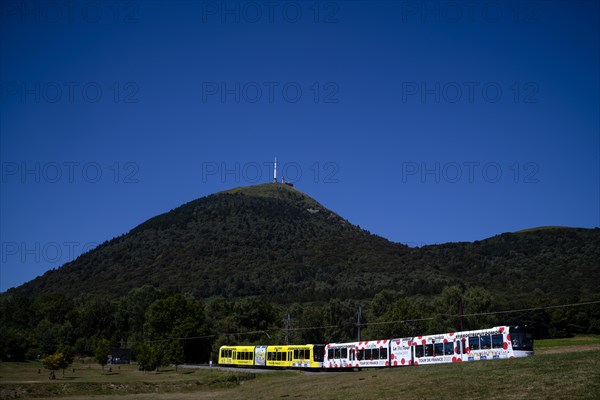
[483, 344]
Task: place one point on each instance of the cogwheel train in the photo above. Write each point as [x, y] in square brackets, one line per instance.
[483, 344]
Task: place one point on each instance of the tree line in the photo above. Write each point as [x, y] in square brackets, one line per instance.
[164, 328]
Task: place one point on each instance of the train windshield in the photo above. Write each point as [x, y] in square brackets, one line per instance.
[521, 339]
[319, 352]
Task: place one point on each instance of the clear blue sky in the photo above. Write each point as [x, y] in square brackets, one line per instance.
[423, 122]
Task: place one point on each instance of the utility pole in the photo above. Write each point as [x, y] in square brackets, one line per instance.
[227, 334]
[358, 324]
[287, 329]
[461, 312]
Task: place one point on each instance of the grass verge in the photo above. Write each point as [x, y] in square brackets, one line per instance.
[575, 341]
[28, 380]
[572, 372]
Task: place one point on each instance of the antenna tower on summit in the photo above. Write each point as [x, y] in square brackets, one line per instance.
[275, 171]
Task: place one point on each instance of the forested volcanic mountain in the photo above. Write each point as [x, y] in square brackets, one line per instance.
[272, 240]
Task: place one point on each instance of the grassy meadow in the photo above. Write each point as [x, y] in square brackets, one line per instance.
[561, 369]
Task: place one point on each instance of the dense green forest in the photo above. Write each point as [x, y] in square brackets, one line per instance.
[230, 267]
[173, 328]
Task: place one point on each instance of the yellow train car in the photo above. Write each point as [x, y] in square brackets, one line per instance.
[236, 355]
[295, 356]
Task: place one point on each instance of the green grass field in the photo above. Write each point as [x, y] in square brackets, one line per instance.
[561, 369]
[576, 341]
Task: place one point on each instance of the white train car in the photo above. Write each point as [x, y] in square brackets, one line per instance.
[483, 344]
[374, 353]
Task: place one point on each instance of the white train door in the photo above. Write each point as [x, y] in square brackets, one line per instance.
[401, 352]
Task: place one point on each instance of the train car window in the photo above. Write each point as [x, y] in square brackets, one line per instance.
[383, 354]
[296, 357]
[438, 349]
[375, 354]
[344, 353]
[474, 342]
[521, 338]
[448, 349]
[330, 353]
[361, 355]
[368, 354]
[352, 355]
[497, 341]
[428, 350]
[271, 356]
[486, 342]
[419, 351]
[528, 341]
[337, 353]
[459, 347]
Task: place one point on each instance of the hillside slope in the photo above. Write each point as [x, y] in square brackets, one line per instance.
[555, 262]
[273, 240]
[265, 239]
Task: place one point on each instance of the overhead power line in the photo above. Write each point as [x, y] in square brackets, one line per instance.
[526, 309]
[267, 331]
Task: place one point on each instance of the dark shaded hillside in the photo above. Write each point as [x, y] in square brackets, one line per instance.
[554, 262]
[273, 240]
[266, 240]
